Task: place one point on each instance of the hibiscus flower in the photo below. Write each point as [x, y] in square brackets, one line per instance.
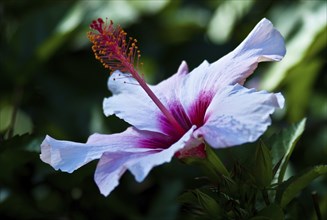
[177, 117]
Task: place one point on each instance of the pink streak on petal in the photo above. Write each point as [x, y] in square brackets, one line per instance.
[177, 110]
[141, 169]
[238, 115]
[198, 109]
[132, 104]
[112, 165]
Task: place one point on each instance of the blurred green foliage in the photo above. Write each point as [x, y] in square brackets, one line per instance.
[50, 83]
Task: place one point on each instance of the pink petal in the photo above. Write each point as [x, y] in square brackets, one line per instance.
[238, 115]
[142, 167]
[112, 165]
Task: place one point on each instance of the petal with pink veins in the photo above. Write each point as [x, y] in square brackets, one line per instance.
[238, 115]
[113, 165]
[130, 102]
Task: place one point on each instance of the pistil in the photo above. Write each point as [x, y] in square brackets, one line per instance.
[115, 53]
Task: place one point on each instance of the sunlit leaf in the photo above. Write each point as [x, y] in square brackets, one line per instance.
[5, 117]
[119, 11]
[300, 30]
[184, 22]
[149, 6]
[298, 94]
[225, 17]
[290, 188]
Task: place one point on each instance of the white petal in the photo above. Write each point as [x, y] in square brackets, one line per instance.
[130, 103]
[69, 156]
[170, 87]
[238, 115]
[264, 43]
[112, 165]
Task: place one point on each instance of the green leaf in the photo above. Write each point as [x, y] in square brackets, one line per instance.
[188, 197]
[283, 146]
[31, 31]
[199, 199]
[209, 204]
[5, 117]
[271, 212]
[298, 94]
[216, 162]
[22, 122]
[212, 165]
[301, 30]
[263, 166]
[226, 17]
[290, 188]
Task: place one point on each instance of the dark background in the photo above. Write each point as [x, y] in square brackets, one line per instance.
[50, 83]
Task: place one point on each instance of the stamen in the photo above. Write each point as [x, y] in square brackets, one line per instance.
[116, 53]
[111, 47]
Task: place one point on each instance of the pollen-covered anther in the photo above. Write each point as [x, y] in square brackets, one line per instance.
[111, 47]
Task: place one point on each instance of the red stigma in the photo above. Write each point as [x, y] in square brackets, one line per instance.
[111, 47]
